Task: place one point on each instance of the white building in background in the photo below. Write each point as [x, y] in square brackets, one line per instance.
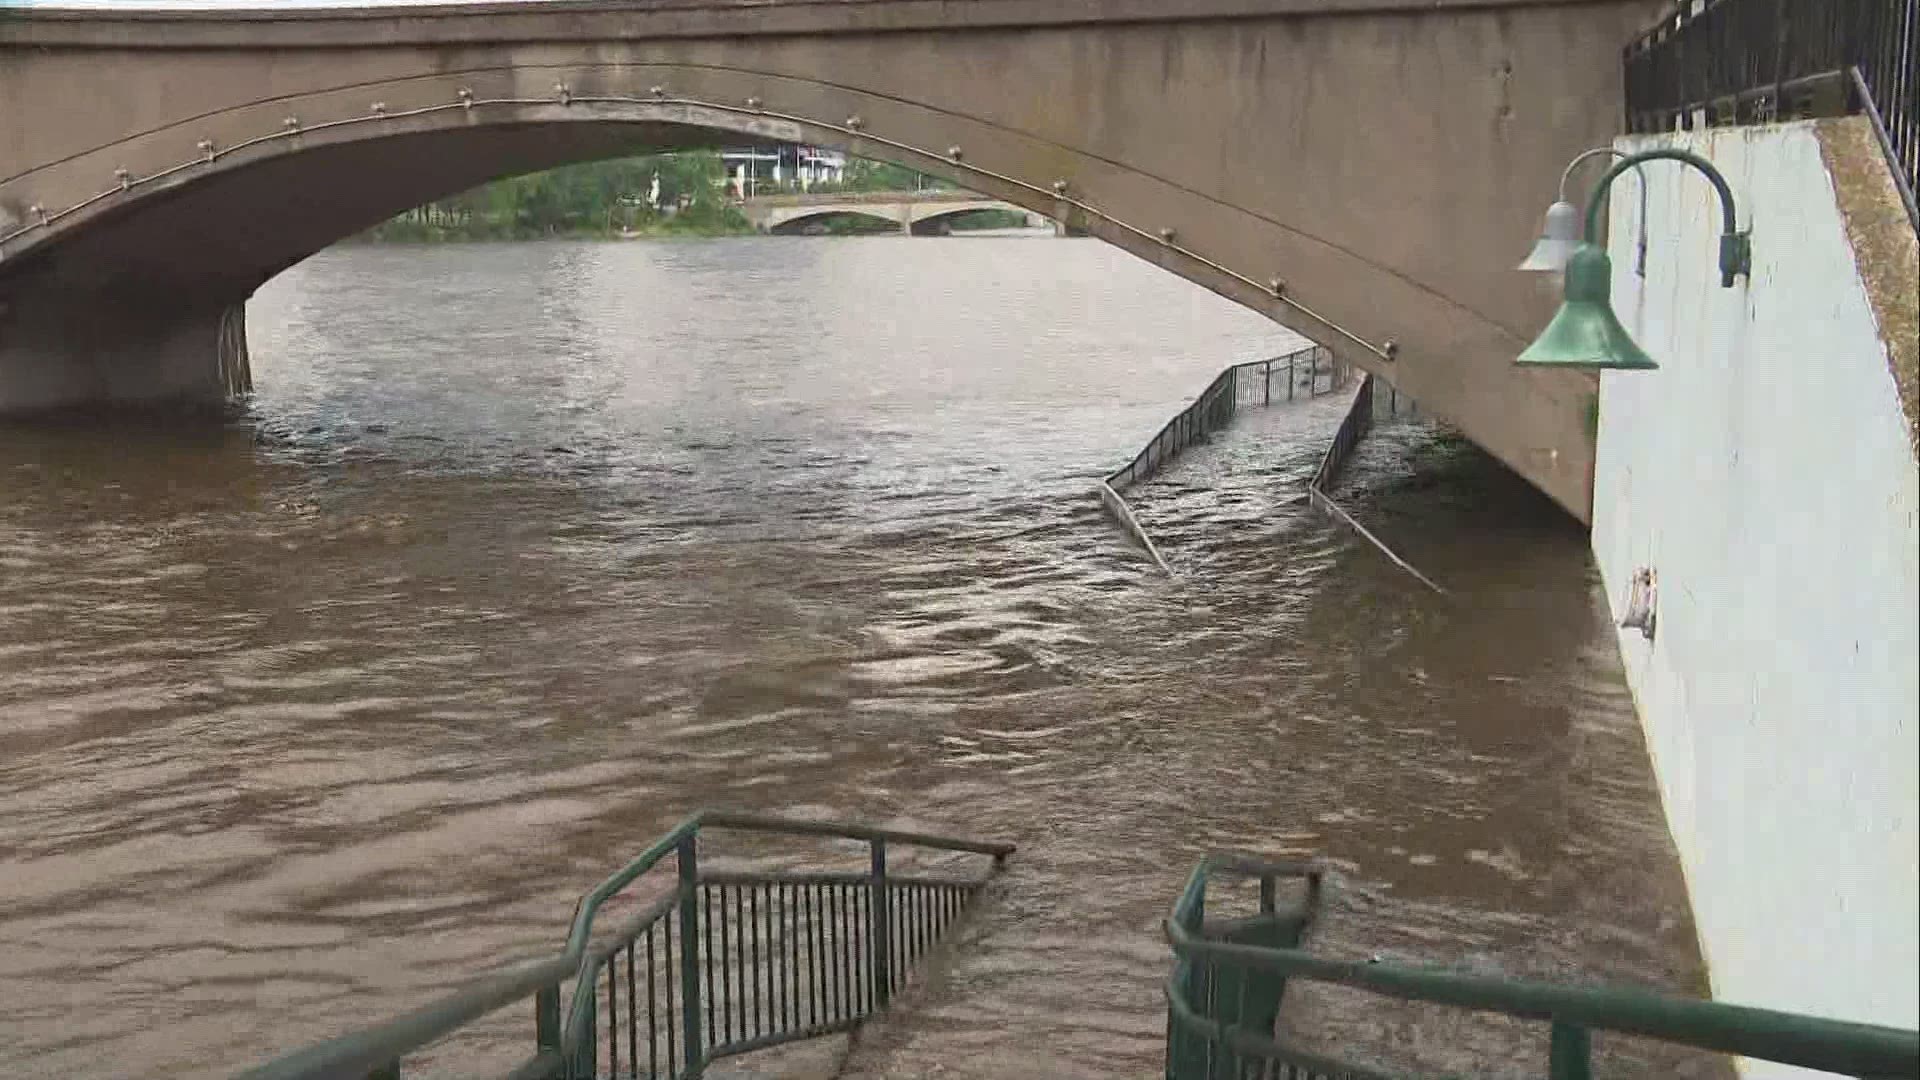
[753, 170]
[816, 166]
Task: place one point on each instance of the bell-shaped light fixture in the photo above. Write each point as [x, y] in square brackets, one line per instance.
[1585, 333]
[1561, 233]
[1558, 237]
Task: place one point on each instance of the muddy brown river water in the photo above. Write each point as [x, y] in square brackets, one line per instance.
[522, 552]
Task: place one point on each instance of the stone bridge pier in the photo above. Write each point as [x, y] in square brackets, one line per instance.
[95, 349]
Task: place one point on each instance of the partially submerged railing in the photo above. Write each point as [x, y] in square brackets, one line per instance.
[1353, 428]
[721, 963]
[1229, 978]
[1249, 383]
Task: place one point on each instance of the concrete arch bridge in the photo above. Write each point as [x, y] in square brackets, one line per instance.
[916, 213]
[1363, 171]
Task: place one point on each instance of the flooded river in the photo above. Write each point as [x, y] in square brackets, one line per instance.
[523, 552]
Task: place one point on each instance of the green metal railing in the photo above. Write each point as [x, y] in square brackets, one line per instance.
[1229, 977]
[719, 964]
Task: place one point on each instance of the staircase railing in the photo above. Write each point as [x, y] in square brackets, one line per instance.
[1229, 976]
[717, 964]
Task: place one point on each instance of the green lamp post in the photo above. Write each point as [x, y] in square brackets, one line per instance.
[1585, 333]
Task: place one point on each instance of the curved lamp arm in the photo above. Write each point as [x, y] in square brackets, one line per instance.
[1566, 174]
[1640, 244]
[1736, 255]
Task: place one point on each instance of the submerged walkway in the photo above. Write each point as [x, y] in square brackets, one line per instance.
[1396, 760]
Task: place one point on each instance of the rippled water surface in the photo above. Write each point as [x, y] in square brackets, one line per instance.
[525, 551]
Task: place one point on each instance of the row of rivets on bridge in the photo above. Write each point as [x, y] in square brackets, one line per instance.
[563, 94]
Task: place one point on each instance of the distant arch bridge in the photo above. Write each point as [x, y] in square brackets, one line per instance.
[916, 213]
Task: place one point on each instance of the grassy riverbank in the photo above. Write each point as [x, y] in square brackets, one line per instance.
[417, 226]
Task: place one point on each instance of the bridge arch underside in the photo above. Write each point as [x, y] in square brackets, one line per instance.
[946, 221]
[816, 221]
[1374, 233]
[906, 217]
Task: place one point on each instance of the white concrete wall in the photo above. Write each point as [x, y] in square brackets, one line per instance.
[1764, 472]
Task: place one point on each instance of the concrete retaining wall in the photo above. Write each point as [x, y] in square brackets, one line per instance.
[1765, 474]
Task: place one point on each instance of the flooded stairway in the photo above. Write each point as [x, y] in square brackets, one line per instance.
[790, 971]
[681, 959]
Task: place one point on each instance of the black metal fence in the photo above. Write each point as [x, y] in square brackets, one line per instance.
[1716, 62]
[1358, 421]
[1307, 372]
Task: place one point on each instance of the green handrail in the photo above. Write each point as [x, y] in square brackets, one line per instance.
[1864, 1050]
[364, 1052]
[580, 1013]
[377, 1050]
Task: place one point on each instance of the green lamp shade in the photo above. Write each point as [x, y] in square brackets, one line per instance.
[1584, 333]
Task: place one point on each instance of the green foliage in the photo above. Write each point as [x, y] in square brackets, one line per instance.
[702, 218]
[596, 198]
